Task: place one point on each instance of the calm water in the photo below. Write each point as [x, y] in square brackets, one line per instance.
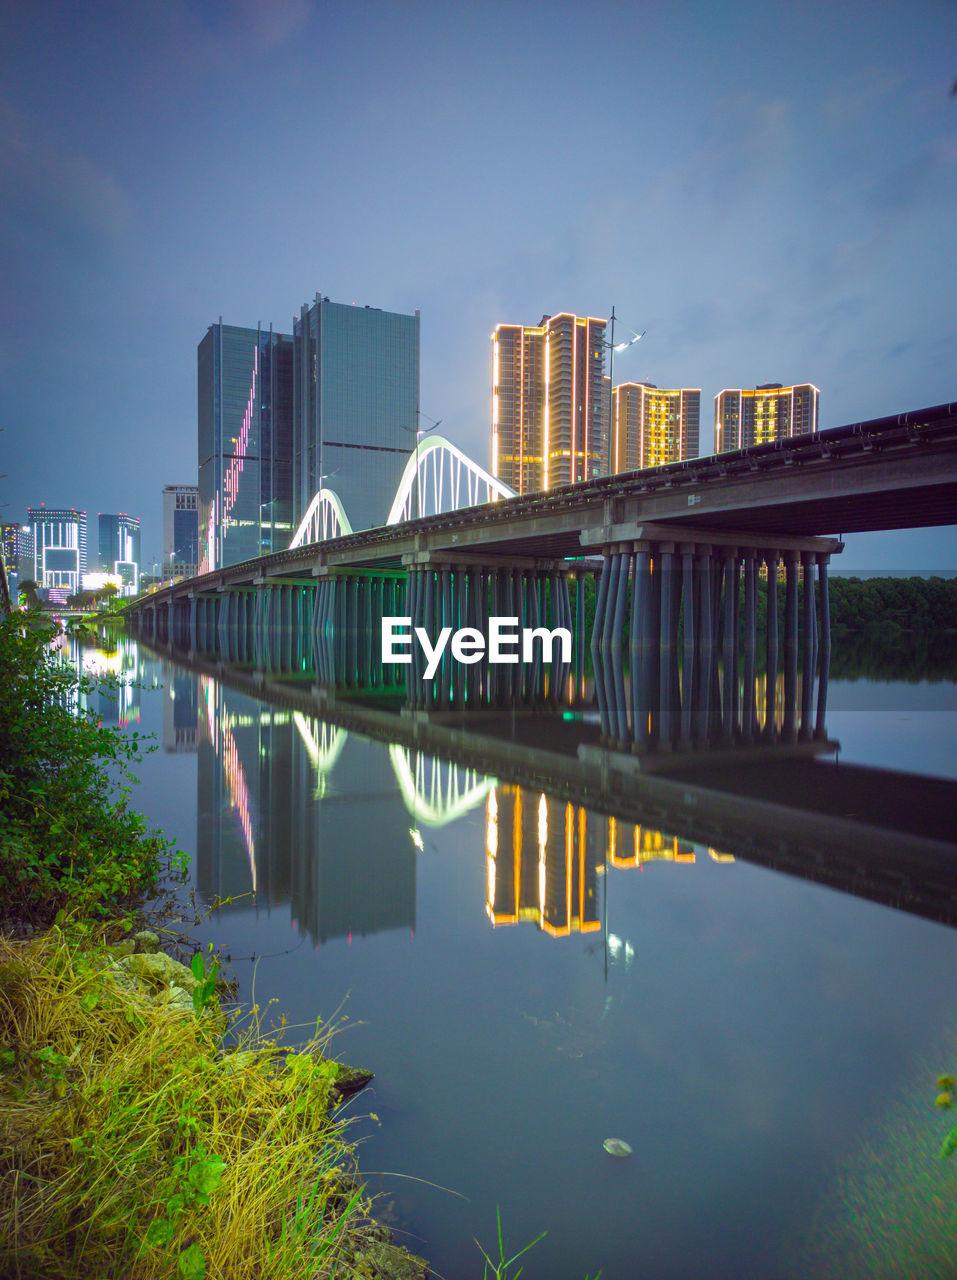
[528, 976]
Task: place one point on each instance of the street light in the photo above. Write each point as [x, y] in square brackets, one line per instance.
[419, 433]
[613, 347]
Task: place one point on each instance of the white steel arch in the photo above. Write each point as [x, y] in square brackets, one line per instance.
[440, 477]
[325, 518]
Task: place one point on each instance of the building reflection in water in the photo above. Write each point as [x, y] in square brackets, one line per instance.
[544, 858]
[114, 665]
[293, 810]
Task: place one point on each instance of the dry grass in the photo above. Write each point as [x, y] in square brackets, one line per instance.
[131, 1145]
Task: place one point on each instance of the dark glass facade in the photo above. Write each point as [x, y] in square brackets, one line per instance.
[356, 406]
[180, 531]
[245, 444]
[119, 547]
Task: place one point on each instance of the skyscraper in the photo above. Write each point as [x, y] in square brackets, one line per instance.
[180, 530]
[549, 405]
[59, 549]
[119, 549]
[651, 427]
[17, 551]
[355, 406]
[769, 412]
[245, 443]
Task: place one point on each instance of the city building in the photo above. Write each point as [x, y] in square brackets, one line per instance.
[59, 550]
[769, 412]
[651, 426]
[549, 402]
[17, 546]
[356, 406]
[180, 531]
[245, 444]
[119, 549]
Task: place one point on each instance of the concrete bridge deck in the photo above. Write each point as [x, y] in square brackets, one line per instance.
[885, 473]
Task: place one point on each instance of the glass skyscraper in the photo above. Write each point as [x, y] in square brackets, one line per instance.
[119, 548]
[245, 444]
[180, 531]
[355, 406]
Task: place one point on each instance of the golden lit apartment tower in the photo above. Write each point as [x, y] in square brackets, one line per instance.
[769, 412]
[650, 427]
[549, 418]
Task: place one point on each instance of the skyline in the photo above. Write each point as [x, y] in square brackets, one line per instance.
[769, 200]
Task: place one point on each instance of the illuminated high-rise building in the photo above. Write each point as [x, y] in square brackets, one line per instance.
[245, 444]
[180, 530]
[356, 406]
[651, 427]
[59, 549]
[335, 405]
[769, 412]
[119, 549]
[17, 551]
[549, 404]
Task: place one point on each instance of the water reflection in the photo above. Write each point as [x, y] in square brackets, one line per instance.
[322, 801]
[742, 1029]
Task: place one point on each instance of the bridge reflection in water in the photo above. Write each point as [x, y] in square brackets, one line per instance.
[323, 798]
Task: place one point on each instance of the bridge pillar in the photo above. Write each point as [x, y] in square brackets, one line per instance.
[791, 563]
[706, 649]
[771, 648]
[668, 646]
[729, 691]
[749, 641]
[809, 644]
[824, 651]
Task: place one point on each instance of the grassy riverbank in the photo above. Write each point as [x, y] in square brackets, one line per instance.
[142, 1131]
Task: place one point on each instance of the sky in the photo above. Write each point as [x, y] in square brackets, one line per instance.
[768, 190]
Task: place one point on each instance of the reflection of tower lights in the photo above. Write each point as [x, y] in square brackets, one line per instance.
[233, 770]
[542, 841]
[491, 848]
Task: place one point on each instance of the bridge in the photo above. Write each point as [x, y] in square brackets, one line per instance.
[674, 547]
[875, 833]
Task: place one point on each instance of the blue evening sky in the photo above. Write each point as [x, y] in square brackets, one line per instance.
[770, 190]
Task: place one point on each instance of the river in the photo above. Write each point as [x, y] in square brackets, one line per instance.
[536, 948]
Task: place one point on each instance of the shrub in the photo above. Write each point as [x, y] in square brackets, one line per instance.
[67, 838]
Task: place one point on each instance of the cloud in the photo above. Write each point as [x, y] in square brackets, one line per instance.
[54, 200]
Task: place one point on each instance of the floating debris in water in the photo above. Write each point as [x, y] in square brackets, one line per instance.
[617, 1147]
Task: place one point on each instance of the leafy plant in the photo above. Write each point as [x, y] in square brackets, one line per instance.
[205, 989]
[67, 837]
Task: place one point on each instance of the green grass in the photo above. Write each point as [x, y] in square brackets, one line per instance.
[133, 1144]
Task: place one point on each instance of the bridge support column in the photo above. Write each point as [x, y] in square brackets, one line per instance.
[668, 647]
[791, 563]
[707, 674]
[824, 649]
[771, 647]
[809, 643]
[749, 641]
[689, 644]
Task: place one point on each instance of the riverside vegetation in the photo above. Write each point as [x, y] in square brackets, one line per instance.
[143, 1132]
